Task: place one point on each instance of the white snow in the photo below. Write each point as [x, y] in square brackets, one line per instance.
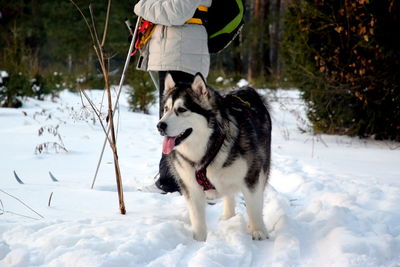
[219, 79]
[332, 200]
[242, 82]
[3, 74]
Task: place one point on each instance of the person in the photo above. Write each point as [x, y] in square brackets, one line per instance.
[178, 45]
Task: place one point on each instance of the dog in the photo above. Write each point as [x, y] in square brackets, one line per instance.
[217, 145]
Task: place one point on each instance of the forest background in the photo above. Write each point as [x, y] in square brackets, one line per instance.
[342, 55]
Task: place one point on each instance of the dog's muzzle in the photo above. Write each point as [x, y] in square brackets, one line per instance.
[162, 127]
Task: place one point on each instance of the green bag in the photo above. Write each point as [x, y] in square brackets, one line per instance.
[225, 19]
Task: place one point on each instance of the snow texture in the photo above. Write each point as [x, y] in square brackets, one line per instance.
[331, 200]
[3, 74]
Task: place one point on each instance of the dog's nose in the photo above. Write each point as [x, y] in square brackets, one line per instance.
[162, 126]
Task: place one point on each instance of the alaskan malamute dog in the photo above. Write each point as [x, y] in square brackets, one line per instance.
[217, 145]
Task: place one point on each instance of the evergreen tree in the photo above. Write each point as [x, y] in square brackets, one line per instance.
[344, 56]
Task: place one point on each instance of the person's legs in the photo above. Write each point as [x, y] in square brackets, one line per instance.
[166, 182]
[161, 85]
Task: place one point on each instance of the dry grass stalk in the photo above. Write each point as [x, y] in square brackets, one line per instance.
[51, 195]
[20, 201]
[110, 133]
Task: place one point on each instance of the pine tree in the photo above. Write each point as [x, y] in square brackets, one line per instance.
[344, 56]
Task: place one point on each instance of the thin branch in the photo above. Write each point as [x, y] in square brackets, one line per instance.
[84, 18]
[95, 109]
[102, 100]
[94, 28]
[118, 117]
[99, 161]
[106, 24]
[98, 47]
[392, 146]
[80, 94]
[106, 131]
[2, 207]
[51, 195]
[99, 52]
[99, 57]
[17, 178]
[97, 113]
[21, 215]
[121, 82]
[20, 201]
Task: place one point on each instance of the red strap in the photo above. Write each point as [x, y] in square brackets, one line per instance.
[202, 180]
[145, 25]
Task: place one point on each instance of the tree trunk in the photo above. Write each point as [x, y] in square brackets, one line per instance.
[69, 63]
[258, 59]
[275, 36]
[237, 57]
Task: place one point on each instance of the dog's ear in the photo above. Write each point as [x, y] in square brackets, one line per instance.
[199, 85]
[169, 83]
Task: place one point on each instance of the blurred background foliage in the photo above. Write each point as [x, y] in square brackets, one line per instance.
[344, 56]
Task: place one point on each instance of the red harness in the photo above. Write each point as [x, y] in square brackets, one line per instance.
[202, 179]
[201, 174]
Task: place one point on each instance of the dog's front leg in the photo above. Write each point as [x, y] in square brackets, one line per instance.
[196, 204]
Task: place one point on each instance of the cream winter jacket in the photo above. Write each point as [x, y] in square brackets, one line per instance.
[175, 45]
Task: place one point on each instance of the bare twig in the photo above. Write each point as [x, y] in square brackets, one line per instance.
[46, 146]
[99, 162]
[53, 178]
[2, 207]
[20, 201]
[51, 195]
[98, 47]
[96, 36]
[392, 146]
[21, 215]
[121, 82]
[17, 178]
[106, 24]
[84, 18]
[102, 100]
[98, 116]
[92, 105]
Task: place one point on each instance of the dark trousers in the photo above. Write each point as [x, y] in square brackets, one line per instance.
[166, 182]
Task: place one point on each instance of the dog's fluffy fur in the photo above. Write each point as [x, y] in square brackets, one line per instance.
[195, 117]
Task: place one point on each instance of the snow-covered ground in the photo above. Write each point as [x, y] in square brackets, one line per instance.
[332, 201]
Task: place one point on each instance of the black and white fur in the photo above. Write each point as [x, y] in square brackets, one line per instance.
[195, 117]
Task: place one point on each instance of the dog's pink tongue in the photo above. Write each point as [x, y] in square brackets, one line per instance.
[168, 145]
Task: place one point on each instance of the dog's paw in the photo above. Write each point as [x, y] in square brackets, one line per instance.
[259, 234]
[200, 236]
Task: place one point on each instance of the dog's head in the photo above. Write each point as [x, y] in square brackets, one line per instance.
[187, 109]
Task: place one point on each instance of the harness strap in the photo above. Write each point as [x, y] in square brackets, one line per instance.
[201, 174]
[201, 178]
[202, 8]
[199, 17]
[194, 21]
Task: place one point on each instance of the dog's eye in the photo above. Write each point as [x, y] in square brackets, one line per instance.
[165, 108]
[181, 110]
